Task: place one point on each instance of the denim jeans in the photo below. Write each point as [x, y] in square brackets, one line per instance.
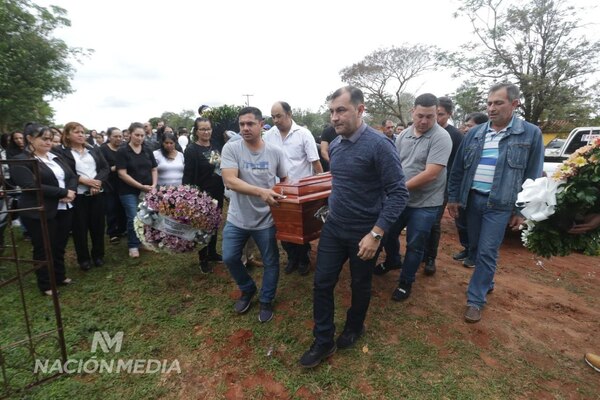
[418, 223]
[130, 203]
[234, 240]
[486, 228]
[336, 245]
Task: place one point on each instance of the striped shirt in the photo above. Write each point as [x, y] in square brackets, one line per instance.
[484, 175]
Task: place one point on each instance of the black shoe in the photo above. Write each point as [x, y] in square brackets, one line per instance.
[402, 292]
[348, 338]
[266, 312]
[382, 269]
[115, 239]
[461, 255]
[316, 354]
[215, 257]
[468, 263]
[290, 267]
[98, 262]
[85, 265]
[304, 269]
[205, 267]
[430, 267]
[244, 302]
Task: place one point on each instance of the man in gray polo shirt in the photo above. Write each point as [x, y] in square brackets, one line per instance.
[424, 150]
[250, 167]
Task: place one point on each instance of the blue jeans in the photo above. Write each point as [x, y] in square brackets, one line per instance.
[336, 245]
[234, 240]
[130, 203]
[418, 223]
[486, 228]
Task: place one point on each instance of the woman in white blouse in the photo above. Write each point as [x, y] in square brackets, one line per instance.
[170, 162]
[92, 170]
[58, 185]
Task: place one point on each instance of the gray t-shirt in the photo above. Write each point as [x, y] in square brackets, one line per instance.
[258, 169]
[432, 147]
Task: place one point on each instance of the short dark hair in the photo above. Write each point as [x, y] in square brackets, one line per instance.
[356, 95]
[386, 120]
[446, 103]
[477, 117]
[251, 110]
[512, 90]
[426, 100]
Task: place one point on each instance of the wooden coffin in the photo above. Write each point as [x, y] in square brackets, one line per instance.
[295, 217]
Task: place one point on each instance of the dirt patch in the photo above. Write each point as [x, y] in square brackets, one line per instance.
[544, 313]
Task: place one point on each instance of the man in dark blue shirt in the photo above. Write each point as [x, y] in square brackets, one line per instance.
[368, 193]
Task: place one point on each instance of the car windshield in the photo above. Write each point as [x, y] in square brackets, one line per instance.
[555, 143]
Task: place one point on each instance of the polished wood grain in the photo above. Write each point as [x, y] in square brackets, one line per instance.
[295, 217]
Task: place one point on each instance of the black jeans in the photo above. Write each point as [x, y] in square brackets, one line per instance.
[297, 253]
[116, 221]
[58, 234]
[336, 245]
[88, 216]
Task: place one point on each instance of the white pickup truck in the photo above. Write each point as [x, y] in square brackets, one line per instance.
[578, 137]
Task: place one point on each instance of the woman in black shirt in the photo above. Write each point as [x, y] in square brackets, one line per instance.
[202, 169]
[136, 167]
[116, 222]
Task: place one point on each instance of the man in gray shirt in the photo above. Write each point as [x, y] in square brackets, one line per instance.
[424, 150]
[250, 168]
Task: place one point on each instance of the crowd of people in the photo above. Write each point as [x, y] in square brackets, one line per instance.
[384, 180]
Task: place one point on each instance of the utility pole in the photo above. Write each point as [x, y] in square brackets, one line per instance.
[247, 96]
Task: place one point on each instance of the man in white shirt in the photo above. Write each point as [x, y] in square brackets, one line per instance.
[302, 160]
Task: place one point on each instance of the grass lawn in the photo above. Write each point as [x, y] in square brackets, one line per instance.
[169, 311]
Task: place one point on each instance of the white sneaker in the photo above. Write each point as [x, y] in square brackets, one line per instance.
[134, 253]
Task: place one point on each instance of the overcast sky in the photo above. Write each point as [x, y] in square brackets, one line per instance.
[150, 56]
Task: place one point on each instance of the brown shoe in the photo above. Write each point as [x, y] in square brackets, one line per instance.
[593, 361]
[472, 314]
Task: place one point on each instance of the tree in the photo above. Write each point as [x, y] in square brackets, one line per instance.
[469, 97]
[34, 66]
[534, 44]
[384, 74]
[314, 121]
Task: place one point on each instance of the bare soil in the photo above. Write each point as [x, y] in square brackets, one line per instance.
[545, 312]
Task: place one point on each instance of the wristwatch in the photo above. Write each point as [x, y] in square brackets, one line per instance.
[376, 236]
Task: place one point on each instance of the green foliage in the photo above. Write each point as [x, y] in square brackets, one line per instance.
[184, 119]
[384, 74]
[536, 44]
[314, 121]
[34, 66]
[469, 97]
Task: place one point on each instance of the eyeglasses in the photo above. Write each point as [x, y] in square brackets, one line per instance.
[204, 129]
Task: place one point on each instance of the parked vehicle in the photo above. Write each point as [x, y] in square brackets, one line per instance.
[553, 147]
[578, 137]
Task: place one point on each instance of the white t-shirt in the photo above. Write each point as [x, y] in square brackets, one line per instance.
[170, 172]
[299, 147]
